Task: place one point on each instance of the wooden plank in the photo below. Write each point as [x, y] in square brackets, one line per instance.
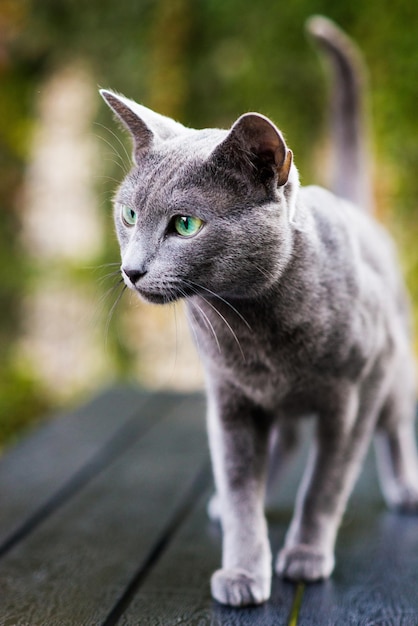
[77, 564]
[101, 559]
[374, 582]
[177, 590]
[36, 471]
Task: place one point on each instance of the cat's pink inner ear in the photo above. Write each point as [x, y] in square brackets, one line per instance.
[283, 170]
[259, 136]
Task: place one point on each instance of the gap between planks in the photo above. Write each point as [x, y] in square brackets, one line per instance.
[118, 443]
[202, 482]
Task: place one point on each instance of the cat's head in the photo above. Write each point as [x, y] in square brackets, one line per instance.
[203, 210]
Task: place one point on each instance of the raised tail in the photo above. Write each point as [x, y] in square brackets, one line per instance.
[350, 177]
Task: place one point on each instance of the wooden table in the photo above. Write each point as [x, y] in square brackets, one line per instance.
[103, 522]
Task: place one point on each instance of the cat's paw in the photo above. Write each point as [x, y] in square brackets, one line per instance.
[214, 508]
[404, 499]
[237, 587]
[304, 563]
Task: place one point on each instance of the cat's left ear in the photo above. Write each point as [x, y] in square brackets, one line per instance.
[145, 126]
[256, 143]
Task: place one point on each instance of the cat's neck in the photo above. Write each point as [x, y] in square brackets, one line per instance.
[290, 271]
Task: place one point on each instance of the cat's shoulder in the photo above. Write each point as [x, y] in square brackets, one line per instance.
[316, 198]
[328, 209]
[347, 229]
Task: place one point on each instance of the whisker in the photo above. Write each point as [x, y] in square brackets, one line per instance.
[115, 273]
[110, 291]
[103, 279]
[104, 198]
[173, 308]
[215, 295]
[118, 164]
[226, 322]
[194, 330]
[110, 158]
[263, 271]
[195, 335]
[112, 310]
[112, 179]
[114, 151]
[117, 139]
[231, 330]
[111, 264]
[207, 323]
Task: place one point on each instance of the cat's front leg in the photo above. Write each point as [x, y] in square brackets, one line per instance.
[283, 440]
[238, 436]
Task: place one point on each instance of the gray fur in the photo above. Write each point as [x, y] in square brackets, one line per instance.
[297, 308]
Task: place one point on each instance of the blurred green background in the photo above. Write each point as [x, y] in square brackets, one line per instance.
[203, 62]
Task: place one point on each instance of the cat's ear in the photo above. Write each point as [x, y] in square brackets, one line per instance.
[145, 126]
[255, 142]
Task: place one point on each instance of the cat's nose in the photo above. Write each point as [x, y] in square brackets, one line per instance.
[134, 275]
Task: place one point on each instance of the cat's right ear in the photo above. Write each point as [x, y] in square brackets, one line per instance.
[145, 126]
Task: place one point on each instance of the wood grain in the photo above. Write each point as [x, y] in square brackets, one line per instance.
[76, 565]
[177, 590]
[125, 539]
[38, 467]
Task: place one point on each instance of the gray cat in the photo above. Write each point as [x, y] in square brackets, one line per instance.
[297, 308]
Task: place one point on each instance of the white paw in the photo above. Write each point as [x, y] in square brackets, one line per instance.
[304, 563]
[236, 587]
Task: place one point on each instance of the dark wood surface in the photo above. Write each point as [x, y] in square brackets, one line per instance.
[103, 521]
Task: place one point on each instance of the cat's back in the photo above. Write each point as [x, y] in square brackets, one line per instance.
[349, 237]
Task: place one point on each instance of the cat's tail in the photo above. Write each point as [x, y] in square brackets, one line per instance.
[350, 177]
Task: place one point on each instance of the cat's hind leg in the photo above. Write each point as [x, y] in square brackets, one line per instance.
[344, 430]
[283, 443]
[396, 450]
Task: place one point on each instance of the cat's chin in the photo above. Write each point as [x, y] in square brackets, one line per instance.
[157, 298]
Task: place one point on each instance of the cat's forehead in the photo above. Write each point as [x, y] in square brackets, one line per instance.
[181, 152]
[189, 146]
[171, 168]
[179, 191]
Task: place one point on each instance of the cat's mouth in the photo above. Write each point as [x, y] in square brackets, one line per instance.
[157, 297]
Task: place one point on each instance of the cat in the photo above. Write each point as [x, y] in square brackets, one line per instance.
[297, 308]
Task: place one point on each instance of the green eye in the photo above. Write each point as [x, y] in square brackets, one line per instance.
[187, 226]
[129, 216]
